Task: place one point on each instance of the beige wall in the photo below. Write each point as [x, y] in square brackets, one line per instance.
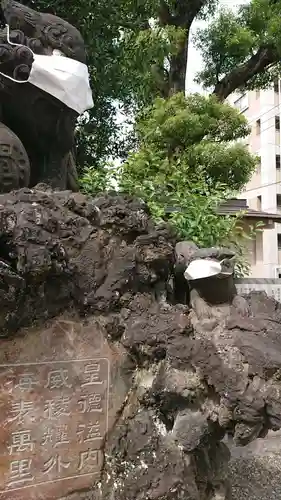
[255, 246]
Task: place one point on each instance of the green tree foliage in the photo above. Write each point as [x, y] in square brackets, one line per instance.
[186, 162]
[133, 60]
[107, 28]
[194, 132]
[185, 166]
[242, 50]
[183, 152]
[93, 181]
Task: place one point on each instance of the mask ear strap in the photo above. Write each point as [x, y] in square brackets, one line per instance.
[228, 273]
[13, 79]
[8, 36]
[15, 45]
[12, 43]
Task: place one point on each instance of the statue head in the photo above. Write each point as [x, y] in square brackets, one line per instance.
[210, 262]
[43, 32]
[211, 272]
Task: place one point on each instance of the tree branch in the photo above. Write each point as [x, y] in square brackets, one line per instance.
[186, 11]
[264, 57]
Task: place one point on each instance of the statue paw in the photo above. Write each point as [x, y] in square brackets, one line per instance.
[241, 306]
[201, 308]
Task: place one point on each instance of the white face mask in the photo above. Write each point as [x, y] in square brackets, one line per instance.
[205, 268]
[61, 77]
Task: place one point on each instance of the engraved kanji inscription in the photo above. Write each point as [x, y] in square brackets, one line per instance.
[20, 472]
[58, 379]
[27, 381]
[21, 441]
[55, 423]
[57, 436]
[88, 460]
[47, 436]
[89, 432]
[92, 375]
[61, 435]
[20, 410]
[56, 463]
[57, 407]
[90, 403]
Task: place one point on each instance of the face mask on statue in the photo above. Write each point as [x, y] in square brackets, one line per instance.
[61, 77]
[206, 268]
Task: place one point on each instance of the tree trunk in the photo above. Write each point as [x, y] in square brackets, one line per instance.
[180, 15]
[178, 64]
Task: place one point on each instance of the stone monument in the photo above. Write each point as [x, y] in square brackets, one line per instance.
[105, 390]
[54, 412]
[122, 368]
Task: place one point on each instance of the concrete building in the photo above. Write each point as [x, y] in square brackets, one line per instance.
[263, 192]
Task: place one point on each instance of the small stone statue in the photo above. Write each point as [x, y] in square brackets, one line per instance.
[43, 123]
[206, 292]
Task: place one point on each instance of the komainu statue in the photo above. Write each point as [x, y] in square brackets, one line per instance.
[44, 86]
[205, 278]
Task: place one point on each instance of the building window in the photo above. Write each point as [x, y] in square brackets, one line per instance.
[258, 202]
[279, 241]
[258, 127]
[277, 123]
[258, 169]
[242, 102]
[276, 87]
[278, 202]
[277, 161]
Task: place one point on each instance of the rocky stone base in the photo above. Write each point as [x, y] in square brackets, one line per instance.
[82, 277]
[255, 470]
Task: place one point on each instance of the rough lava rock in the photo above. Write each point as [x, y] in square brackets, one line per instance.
[92, 254]
[191, 380]
[255, 469]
